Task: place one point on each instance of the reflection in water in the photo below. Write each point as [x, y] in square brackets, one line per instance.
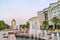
[59, 36]
[22, 38]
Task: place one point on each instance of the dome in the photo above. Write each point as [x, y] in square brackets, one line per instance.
[13, 22]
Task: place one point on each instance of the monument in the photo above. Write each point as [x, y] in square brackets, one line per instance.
[13, 24]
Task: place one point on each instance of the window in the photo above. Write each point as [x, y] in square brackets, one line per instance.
[56, 11]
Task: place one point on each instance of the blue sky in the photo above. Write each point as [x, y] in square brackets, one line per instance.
[21, 10]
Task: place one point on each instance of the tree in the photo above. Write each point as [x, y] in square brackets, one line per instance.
[25, 25]
[55, 20]
[3, 24]
[45, 23]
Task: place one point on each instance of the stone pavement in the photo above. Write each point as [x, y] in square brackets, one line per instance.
[4, 36]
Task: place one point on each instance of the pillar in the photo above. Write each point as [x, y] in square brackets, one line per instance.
[57, 36]
[30, 28]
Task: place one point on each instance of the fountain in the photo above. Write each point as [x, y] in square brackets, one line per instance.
[58, 36]
[55, 36]
[46, 35]
[34, 29]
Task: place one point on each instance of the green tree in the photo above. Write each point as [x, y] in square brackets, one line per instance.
[45, 23]
[55, 20]
[25, 25]
[3, 24]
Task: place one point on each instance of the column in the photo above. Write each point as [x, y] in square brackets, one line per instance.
[57, 36]
[30, 28]
[38, 25]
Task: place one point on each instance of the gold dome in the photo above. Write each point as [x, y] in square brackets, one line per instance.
[13, 22]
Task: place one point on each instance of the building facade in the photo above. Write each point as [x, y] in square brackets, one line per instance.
[54, 10]
[34, 25]
[41, 17]
[48, 13]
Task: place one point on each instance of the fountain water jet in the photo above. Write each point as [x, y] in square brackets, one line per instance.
[34, 29]
[55, 36]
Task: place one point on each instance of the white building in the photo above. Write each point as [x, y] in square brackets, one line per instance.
[34, 25]
[50, 12]
[46, 14]
[54, 10]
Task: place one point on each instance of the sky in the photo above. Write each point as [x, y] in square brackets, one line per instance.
[21, 10]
